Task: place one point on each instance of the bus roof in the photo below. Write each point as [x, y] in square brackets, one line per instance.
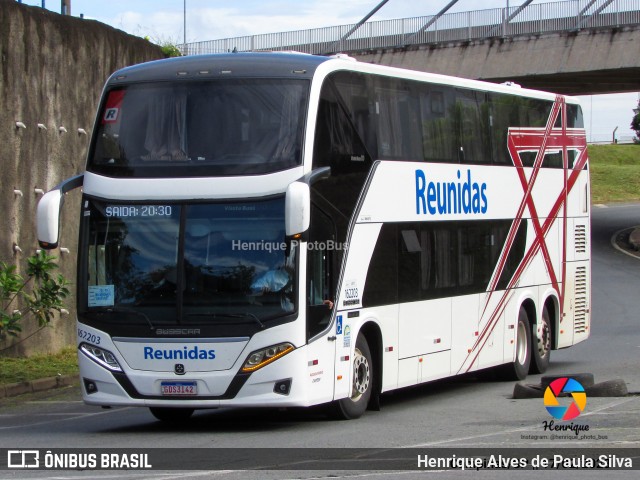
[267, 64]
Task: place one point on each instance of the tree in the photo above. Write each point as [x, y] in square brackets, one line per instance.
[635, 123]
[40, 294]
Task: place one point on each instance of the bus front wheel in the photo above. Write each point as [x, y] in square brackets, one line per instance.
[361, 386]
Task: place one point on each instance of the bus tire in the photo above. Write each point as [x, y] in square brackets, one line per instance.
[518, 369]
[541, 344]
[362, 385]
[169, 414]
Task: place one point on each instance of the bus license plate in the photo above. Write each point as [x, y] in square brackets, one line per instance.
[179, 388]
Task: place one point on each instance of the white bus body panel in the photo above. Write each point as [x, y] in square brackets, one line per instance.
[464, 312]
[192, 188]
[425, 327]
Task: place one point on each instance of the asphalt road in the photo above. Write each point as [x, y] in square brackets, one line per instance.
[475, 412]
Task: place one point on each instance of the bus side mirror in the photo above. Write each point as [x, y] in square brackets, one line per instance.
[48, 213]
[297, 209]
[48, 219]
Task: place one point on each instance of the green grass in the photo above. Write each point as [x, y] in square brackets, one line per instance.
[615, 173]
[13, 370]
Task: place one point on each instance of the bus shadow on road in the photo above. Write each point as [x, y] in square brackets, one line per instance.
[256, 420]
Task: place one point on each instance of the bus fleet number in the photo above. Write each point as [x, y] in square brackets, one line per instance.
[89, 337]
[351, 292]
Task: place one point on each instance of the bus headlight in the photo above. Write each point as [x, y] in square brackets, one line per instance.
[265, 356]
[101, 356]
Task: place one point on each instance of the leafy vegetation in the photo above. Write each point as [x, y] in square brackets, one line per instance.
[171, 50]
[169, 47]
[40, 294]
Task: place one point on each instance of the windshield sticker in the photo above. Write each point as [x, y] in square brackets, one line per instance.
[101, 295]
[112, 108]
[346, 340]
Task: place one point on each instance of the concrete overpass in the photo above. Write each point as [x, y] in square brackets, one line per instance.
[575, 63]
[574, 47]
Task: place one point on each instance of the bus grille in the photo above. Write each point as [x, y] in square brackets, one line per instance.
[580, 312]
[581, 238]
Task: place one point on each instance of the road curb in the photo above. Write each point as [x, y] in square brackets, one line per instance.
[620, 245]
[40, 385]
[634, 239]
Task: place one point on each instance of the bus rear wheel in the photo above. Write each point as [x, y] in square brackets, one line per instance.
[172, 415]
[361, 386]
[541, 344]
[518, 369]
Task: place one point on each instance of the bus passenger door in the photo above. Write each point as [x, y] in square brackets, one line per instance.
[320, 297]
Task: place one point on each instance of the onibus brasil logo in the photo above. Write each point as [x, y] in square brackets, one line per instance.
[567, 386]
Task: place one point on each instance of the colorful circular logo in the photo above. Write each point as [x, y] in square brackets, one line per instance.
[560, 386]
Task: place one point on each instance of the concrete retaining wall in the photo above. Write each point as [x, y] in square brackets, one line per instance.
[52, 71]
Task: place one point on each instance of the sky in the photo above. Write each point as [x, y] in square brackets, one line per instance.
[163, 21]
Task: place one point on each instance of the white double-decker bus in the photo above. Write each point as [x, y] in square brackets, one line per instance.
[277, 229]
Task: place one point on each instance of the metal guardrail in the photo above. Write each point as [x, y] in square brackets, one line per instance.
[570, 15]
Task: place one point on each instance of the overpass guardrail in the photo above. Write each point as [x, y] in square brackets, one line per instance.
[569, 15]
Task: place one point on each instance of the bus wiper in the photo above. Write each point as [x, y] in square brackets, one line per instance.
[130, 310]
[229, 315]
[250, 315]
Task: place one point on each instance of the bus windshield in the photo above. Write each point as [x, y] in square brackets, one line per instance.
[188, 129]
[189, 264]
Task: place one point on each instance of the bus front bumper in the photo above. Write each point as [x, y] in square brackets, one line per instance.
[278, 384]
